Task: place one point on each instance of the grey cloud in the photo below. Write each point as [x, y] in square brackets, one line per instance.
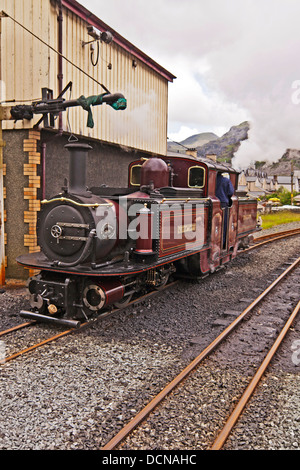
[250, 49]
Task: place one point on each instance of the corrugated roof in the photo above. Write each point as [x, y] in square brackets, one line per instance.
[93, 20]
[285, 179]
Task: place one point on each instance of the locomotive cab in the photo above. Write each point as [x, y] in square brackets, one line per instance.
[225, 192]
[169, 176]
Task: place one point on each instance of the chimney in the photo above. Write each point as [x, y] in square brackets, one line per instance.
[192, 152]
[212, 157]
[77, 168]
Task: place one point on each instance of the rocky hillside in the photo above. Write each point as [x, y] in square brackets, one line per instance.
[224, 147]
[283, 166]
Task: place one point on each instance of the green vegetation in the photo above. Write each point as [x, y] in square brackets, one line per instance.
[258, 164]
[278, 218]
[283, 195]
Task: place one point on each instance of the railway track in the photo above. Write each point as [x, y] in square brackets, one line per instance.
[278, 235]
[67, 332]
[222, 436]
[57, 336]
[260, 241]
[265, 239]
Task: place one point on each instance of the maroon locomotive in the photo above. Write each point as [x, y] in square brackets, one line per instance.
[100, 247]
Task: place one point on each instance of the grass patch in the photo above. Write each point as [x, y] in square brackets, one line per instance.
[279, 218]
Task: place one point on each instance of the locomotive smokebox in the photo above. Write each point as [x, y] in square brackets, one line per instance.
[77, 168]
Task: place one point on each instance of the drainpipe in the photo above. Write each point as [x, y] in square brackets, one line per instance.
[2, 236]
[60, 75]
[44, 146]
[2, 229]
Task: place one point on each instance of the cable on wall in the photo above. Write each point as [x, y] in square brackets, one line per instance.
[4, 14]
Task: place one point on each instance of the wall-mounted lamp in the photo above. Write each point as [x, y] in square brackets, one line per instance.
[93, 33]
[134, 63]
[105, 37]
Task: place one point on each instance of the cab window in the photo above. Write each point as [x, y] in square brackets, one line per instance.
[196, 178]
[135, 175]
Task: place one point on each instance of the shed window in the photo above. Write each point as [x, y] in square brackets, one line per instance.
[135, 175]
[196, 177]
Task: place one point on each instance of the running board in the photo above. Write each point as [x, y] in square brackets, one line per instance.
[45, 319]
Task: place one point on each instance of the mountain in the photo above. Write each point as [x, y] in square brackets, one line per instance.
[193, 141]
[208, 143]
[224, 147]
[198, 140]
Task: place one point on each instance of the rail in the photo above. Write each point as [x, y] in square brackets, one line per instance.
[223, 435]
[143, 414]
[72, 330]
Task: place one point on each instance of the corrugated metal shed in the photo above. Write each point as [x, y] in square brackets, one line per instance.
[28, 65]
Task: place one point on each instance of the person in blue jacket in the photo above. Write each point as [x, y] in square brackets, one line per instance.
[224, 192]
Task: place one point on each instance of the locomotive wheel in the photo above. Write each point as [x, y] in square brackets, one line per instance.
[123, 302]
[162, 282]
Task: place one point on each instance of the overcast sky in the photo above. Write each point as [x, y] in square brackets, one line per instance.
[234, 61]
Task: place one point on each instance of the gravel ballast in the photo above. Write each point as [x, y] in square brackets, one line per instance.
[78, 392]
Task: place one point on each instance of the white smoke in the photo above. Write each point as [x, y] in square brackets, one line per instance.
[138, 117]
[274, 129]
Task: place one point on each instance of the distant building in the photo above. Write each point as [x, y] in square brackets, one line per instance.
[254, 186]
[261, 185]
[286, 182]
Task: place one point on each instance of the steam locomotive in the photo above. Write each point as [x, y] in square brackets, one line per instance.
[102, 246]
